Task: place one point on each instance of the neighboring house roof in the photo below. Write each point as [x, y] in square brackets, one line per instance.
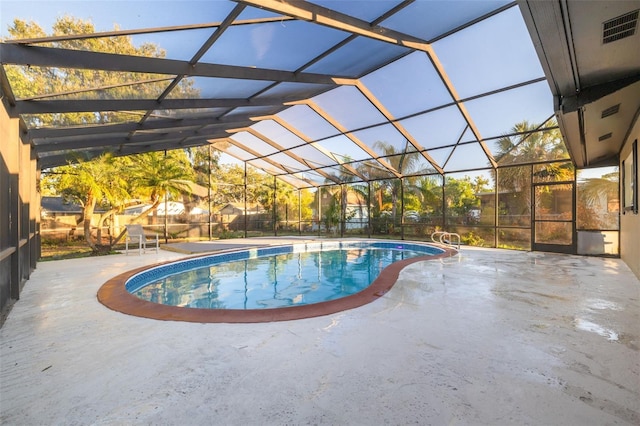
[174, 208]
[59, 205]
[238, 208]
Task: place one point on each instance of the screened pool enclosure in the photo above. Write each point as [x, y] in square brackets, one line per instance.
[385, 118]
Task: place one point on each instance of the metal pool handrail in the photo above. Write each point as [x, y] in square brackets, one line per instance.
[445, 238]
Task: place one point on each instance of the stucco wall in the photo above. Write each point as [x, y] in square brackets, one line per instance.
[9, 169]
[629, 222]
[19, 207]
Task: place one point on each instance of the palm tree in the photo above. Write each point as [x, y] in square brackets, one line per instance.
[404, 162]
[530, 145]
[594, 195]
[158, 174]
[429, 191]
[286, 201]
[348, 184]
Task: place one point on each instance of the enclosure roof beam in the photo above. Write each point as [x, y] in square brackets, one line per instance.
[17, 54]
[64, 144]
[59, 158]
[139, 31]
[261, 157]
[399, 127]
[322, 113]
[93, 105]
[157, 124]
[333, 19]
[316, 145]
[288, 153]
[306, 11]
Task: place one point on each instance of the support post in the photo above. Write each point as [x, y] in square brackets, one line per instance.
[444, 203]
[245, 200]
[496, 210]
[369, 209]
[401, 209]
[209, 193]
[275, 211]
[343, 209]
[532, 208]
[166, 209]
[299, 211]
[319, 193]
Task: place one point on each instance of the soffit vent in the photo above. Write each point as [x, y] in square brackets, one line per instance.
[604, 137]
[620, 27]
[610, 111]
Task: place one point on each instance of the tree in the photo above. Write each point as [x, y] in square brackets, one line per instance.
[30, 81]
[307, 198]
[460, 197]
[404, 162]
[204, 160]
[98, 180]
[429, 191]
[530, 145]
[284, 196]
[332, 216]
[336, 212]
[89, 183]
[227, 183]
[593, 202]
[156, 175]
[480, 184]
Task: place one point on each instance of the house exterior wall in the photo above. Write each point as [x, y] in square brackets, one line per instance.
[8, 171]
[19, 204]
[629, 221]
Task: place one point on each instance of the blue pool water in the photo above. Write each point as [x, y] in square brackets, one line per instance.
[273, 277]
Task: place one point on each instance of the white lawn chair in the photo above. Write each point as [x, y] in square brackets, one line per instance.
[135, 234]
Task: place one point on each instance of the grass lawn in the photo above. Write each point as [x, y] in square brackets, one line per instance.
[56, 250]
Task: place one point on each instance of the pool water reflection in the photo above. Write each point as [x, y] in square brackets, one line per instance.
[281, 280]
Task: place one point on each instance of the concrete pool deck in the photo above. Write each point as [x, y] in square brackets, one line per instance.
[490, 337]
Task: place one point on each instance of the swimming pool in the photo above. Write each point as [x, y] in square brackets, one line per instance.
[272, 278]
[266, 284]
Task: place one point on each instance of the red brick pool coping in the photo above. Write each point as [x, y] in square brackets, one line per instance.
[115, 296]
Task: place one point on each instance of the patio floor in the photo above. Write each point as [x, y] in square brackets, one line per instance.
[487, 337]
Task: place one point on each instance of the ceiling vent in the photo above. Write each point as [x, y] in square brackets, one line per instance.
[610, 111]
[620, 27]
[604, 137]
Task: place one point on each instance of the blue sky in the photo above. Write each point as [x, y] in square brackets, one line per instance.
[127, 14]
